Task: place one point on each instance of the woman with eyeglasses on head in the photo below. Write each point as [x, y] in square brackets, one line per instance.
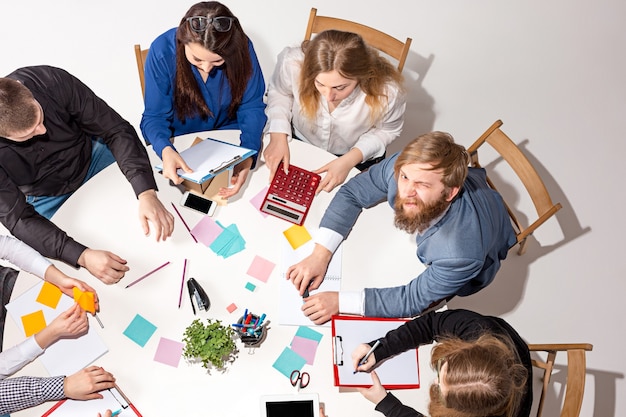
[339, 94]
[203, 75]
[483, 366]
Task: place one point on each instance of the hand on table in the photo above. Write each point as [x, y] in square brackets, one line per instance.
[309, 272]
[151, 210]
[104, 265]
[107, 413]
[66, 283]
[376, 393]
[70, 323]
[87, 383]
[277, 151]
[240, 173]
[172, 161]
[320, 307]
[337, 170]
[359, 353]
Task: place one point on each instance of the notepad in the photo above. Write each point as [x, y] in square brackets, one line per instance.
[210, 157]
[66, 356]
[290, 312]
[400, 371]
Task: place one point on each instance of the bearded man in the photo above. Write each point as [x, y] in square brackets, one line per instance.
[461, 227]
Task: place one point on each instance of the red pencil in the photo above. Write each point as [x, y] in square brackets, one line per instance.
[185, 223]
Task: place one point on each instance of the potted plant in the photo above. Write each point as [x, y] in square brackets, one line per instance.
[212, 343]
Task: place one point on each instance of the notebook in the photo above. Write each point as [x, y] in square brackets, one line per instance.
[290, 312]
[289, 196]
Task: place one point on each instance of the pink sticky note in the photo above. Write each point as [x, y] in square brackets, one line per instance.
[231, 308]
[305, 348]
[207, 230]
[260, 268]
[169, 352]
[257, 200]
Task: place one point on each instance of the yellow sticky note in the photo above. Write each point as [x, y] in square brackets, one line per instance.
[49, 295]
[33, 322]
[297, 236]
[86, 300]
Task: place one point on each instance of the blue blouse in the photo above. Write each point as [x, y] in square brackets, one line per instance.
[159, 123]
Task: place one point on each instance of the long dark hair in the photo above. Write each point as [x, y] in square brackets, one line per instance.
[232, 46]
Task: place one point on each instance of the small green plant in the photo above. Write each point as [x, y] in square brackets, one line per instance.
[212, 344]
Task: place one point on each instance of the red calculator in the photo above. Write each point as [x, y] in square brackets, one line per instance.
[290, 195]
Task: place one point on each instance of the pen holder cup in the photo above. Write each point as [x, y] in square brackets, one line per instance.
[251, 337]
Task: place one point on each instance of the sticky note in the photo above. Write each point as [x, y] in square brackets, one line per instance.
[258, 199]
[250, 286]
[169, 352]
[307, 332]
[86, 300]
[305, 348]
[140, 330]
[206, 230]
[49, 295]
[232, 307]
[261, 268]
[288, 361]
[229, 242]
[297, 236]
[33, 323]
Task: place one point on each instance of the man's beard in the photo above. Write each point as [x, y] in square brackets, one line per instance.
[420, 219]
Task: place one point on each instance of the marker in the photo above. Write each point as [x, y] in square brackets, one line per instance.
[116, 412]
[367, 355]
[260, 321]
[148, 274]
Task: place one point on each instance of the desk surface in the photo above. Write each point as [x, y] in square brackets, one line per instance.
[103, 214]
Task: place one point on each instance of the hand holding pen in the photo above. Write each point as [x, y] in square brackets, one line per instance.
[361, 355]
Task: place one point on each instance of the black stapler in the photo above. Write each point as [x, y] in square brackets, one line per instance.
[197, 292]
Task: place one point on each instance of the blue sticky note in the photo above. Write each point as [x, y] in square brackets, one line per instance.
[229, 242]
[288, 361]
[308, 333]
[250, 286]
[140, 330]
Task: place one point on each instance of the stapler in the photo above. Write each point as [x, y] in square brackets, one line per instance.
[197, 292]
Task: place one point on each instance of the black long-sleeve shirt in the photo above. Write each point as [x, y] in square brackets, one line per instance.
[57, 162]
[433, 326]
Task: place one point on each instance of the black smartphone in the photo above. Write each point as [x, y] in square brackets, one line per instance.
[198, 203]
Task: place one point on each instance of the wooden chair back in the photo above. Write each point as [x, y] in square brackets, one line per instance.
[140, 55]
[391, 46]
[576, 374]
[528, 175]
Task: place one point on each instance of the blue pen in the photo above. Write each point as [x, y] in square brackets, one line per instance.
[260, 320]
[116, 412]
[367, 355]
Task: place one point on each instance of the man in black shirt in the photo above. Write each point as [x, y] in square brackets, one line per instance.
[55, 133]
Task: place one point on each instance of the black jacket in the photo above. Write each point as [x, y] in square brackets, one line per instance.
[57, 162]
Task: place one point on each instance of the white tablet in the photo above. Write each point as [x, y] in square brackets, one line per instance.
[289, 405]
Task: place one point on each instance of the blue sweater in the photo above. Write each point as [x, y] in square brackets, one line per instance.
[159, 122]
[462, 252]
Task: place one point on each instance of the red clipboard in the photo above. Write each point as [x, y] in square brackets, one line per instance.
[114, 399]
[399, 372]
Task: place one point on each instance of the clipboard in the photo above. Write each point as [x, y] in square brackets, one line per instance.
[114, 399]
[398, 372]
[209, 158]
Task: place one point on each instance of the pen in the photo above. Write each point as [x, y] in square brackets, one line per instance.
[99, 322]
[182, 284]
[367, 355]
[258, 323]
[148, 274]
[185, 223]
[116, 412]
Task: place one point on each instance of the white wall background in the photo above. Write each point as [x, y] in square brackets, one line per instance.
[552, 71]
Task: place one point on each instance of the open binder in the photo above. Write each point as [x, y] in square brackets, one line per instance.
[398, 372]
[114, 400]
[209, 158]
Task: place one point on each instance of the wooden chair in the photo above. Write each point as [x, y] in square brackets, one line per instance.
[527, 174]
[576, 373]
[140, 55]
[379, 40]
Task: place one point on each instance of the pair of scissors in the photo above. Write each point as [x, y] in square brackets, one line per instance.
[299, 379]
